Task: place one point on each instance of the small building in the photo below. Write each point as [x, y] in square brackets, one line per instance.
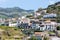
[35, 24]
[41, 34]
[48, 25]
[52, 15]
[23, 25]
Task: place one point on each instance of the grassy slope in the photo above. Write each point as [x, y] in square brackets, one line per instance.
[11, 33]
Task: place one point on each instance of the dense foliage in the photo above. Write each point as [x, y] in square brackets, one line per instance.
[58, 28]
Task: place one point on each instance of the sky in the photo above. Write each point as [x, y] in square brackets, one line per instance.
[27, 4]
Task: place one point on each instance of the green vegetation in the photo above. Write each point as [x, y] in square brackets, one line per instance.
[58, 27]
[51, 32]
[11, 33]
[28, 32]
[58, 33]
[14, 12]
[39, 17]
[29, 16]
[2, 16]
[46, 38]
[55, 9]
[39, 9]
[33, 38]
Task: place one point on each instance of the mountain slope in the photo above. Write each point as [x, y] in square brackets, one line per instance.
[14, 12]
[55, 8]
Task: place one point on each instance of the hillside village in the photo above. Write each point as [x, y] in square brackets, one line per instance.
[42, 25]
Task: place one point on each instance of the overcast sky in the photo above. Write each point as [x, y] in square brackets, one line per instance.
[26, 4]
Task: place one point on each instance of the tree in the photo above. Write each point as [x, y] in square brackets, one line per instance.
[46, 38]
[39, 9]
[58, 28]
[39, 17]
[30, 16]
[33, 38]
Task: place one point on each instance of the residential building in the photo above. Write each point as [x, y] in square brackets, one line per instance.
[34, 24]
[24, 23]
[51, 15]
[48, 25]
[44, 25]
[41, 34]
[12, 24]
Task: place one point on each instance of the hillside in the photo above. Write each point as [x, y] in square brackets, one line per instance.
[10, 33]
[14, 12]
[55, 8]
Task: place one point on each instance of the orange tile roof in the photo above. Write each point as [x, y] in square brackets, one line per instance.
[39, 33]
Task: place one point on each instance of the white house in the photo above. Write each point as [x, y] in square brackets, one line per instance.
[11, 24]
[48, 25]
[35, 26]
[42, 28]
[50, 15]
